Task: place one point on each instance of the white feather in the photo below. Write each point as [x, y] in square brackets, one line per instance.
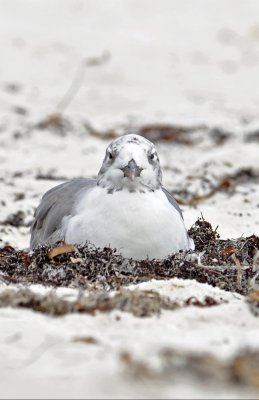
[138, 225]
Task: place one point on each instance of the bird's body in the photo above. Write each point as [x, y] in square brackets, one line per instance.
[125, 208]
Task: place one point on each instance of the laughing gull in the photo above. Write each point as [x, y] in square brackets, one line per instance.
[125, 208]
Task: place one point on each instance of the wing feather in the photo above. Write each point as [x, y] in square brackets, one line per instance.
[172, 200]
[56, 204]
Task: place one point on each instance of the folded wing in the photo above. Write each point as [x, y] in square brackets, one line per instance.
[57, 203]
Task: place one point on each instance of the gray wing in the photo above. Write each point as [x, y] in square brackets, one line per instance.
[172, 200]
[57, 203]
[175, 205]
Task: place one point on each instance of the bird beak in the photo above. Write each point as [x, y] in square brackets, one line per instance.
[131, 170]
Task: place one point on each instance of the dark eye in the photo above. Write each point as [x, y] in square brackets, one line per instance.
[152, 156]
[110, 155]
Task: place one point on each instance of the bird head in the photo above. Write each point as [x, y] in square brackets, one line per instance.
[131, 162]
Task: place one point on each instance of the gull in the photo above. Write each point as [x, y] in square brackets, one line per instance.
[125, 208]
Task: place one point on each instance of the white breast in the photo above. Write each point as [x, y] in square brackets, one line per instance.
[138, 225]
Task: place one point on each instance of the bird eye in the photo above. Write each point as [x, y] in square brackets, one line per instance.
[110, 155]
[152, 156]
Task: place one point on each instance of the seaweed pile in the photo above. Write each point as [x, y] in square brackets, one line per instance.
[228, 264]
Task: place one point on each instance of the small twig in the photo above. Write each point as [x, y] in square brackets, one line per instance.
[252, 282]
[239, 270]
[78, 79]
[255, 261]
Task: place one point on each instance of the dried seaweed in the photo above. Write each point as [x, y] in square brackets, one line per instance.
[155, 132]
[252, 136]
[15, 219]
[56, 123]
[179, 134]
[227, 183]
[210, 263]
[140, 303]
[219, 136]
[242, 369]
[50, 177]
[253, 302]
[169, 133]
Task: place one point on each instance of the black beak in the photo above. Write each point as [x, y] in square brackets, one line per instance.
[131, 170]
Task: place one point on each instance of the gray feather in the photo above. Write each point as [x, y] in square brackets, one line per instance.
[57, 203]
[172, 200]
